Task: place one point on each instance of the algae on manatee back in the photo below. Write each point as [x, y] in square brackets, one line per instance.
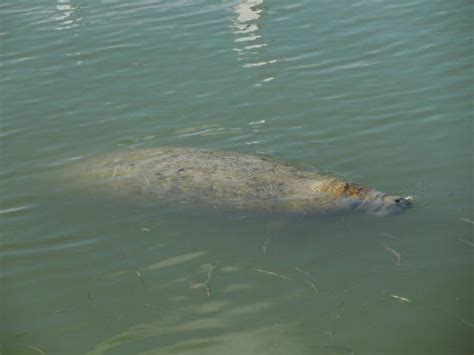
[231, 181]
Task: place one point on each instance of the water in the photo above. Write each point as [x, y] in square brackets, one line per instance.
[377, 91]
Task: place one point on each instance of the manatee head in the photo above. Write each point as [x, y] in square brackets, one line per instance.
[364, 199]
[386, 205]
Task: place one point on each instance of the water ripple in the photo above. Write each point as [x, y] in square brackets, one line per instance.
[379, 91]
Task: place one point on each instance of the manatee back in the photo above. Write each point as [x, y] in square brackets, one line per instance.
[213, 178]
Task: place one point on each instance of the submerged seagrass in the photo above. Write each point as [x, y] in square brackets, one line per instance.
[231, 181]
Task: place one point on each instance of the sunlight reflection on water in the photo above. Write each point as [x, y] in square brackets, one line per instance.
[249, 39]
[68, 15]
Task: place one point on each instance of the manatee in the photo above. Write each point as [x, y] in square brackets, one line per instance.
[229, 181]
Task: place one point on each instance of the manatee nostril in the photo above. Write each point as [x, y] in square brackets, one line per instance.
[398, 200]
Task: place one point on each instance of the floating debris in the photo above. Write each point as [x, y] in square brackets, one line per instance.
[395, 253]
[467, 220]
[307, 274]
[209, 273]
[208, 280]
[466, 322]
[450, 313]
[207, 283]
[90, 299]
[197, 285]
[329, 333]
[313, 286]
[140, 277]
[146, 229]
[333, 349]
[388, 235]
[21, 334]
[273, 274]
[265, 244]
[35, 348]
[466, 241]
[59, 311]
[302, 271]
[14, 209]
[175, 260]
[151, 306]
[400, 298]
[209, 293]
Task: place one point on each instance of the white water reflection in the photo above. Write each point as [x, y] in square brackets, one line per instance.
[68, 14]
[249, 40]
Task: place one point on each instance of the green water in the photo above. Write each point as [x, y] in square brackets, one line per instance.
[377, 91]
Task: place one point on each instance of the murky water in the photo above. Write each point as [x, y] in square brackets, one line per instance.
[377, 91]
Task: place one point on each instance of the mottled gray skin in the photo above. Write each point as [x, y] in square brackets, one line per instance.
[231, 181]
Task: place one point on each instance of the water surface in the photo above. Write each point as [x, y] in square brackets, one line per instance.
[377, 91]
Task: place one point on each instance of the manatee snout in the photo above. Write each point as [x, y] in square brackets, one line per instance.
[390, 205]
